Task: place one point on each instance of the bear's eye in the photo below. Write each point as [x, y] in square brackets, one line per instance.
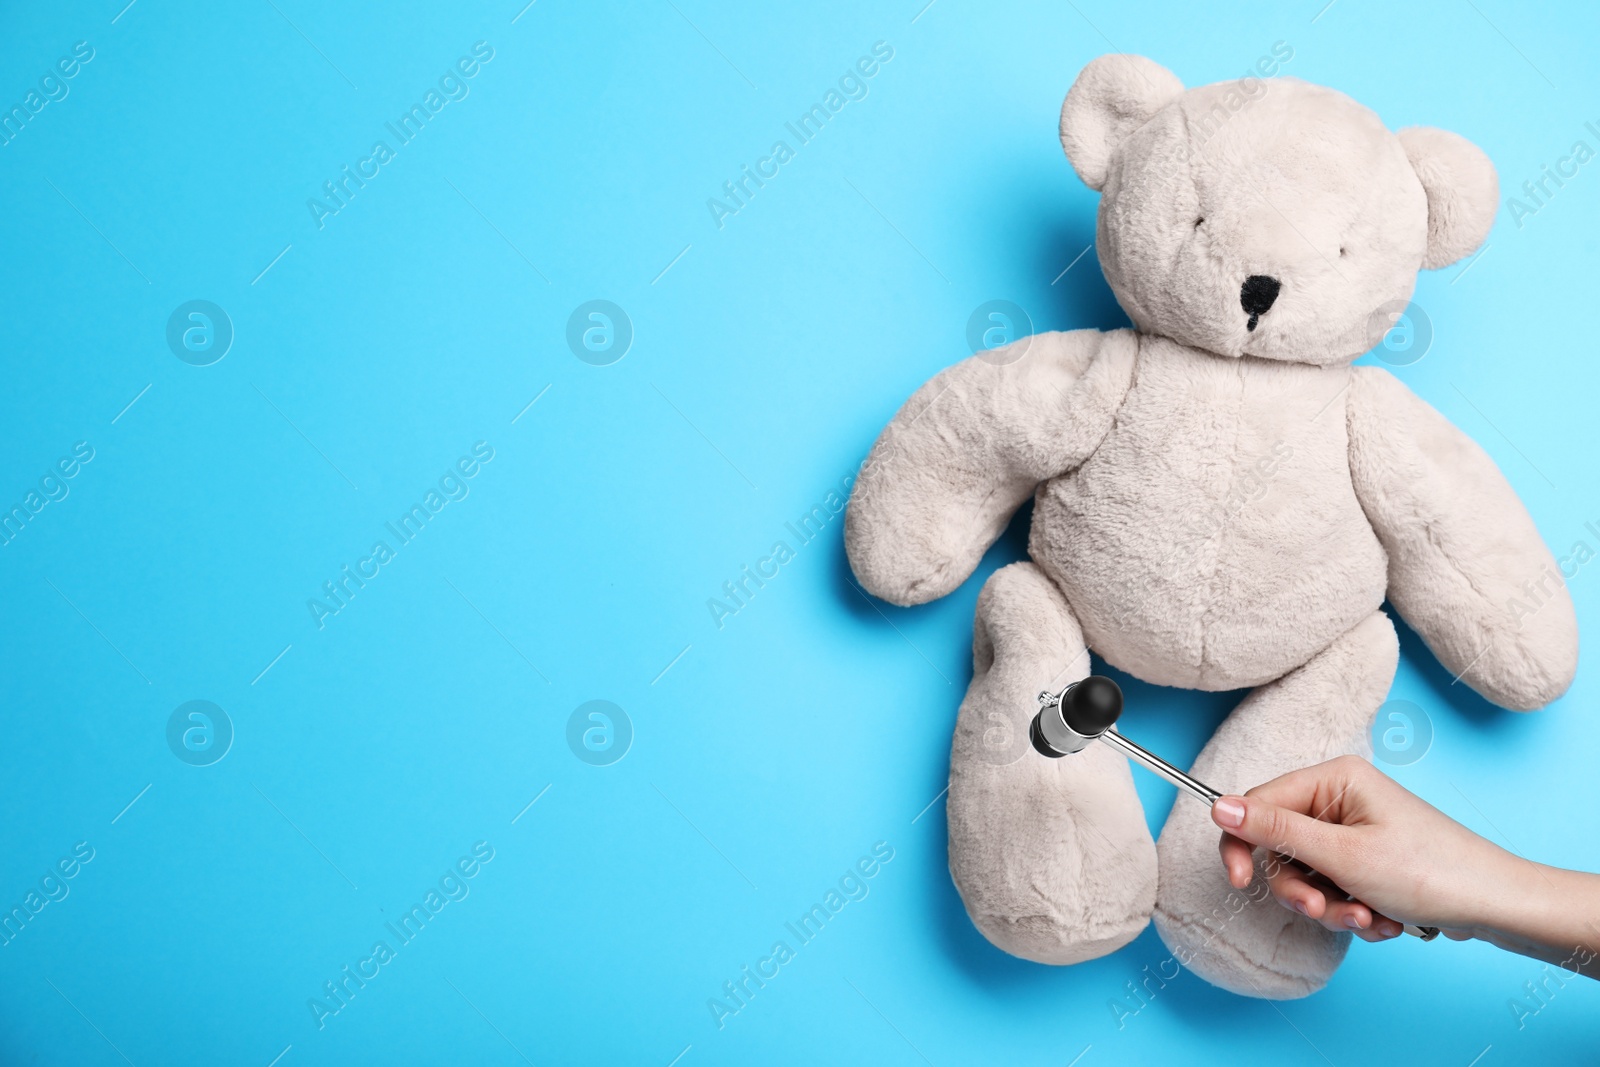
[1199, 222]
[1341, 251]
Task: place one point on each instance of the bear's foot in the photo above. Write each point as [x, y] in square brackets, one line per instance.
[1244, 940]
[1051, 856]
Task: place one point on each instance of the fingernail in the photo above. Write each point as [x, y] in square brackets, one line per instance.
[1390, 929]
[1301, 908]
[1229, 812]
[1352, 922]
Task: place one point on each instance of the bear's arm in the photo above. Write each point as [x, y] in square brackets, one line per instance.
[969, 447]
[1464, 555]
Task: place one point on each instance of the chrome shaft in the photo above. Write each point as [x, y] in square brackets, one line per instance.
[1199, 790]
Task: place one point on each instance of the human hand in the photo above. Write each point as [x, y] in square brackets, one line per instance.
[1397, 857]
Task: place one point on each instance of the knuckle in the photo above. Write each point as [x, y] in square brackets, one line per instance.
[1279, 869]
[1274, 829]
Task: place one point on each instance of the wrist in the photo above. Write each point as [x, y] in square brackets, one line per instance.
[1509, 896]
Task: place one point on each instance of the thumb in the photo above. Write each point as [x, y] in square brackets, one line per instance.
[1260, 822]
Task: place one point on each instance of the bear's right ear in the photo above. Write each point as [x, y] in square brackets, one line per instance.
[1113, 96]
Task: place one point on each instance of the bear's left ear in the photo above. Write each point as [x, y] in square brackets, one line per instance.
[1113, 96]
[1463, 192]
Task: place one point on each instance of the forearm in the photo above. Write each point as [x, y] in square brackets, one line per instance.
[1549, 914]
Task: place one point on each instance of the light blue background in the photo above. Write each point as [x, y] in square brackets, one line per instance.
[775, 751]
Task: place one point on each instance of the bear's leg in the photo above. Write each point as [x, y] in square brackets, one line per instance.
[1245, 941]
[1051, 856]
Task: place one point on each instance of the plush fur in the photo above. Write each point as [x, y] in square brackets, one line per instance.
[1221, 503]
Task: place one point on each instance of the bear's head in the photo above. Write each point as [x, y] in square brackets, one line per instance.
[1275, 219]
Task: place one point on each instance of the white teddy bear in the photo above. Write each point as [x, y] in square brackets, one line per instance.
[1260, 236]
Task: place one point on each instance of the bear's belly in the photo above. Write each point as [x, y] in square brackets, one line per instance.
[1214, 540]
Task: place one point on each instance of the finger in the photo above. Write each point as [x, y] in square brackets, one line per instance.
[1379, 926]
[1238, 859]
[1385, 928]
[1346, 916]
[1260, 822]
[1337, 911]
[1318, 879]
[1295, 891]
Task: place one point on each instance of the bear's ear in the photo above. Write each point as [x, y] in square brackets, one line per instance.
[1113, 96]
[1463, 192]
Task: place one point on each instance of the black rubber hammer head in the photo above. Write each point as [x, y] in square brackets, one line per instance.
[1080, 713]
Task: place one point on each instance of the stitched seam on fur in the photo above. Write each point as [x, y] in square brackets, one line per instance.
[1355, 383]
[1430, 530]
[1115, 422]
[1204, 621]
[1236, 955]
[1077, 933]
[1127, 390]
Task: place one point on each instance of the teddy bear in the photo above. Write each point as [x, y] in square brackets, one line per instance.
[1221, 502]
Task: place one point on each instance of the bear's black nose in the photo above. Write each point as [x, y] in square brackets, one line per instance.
[1256, 296]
